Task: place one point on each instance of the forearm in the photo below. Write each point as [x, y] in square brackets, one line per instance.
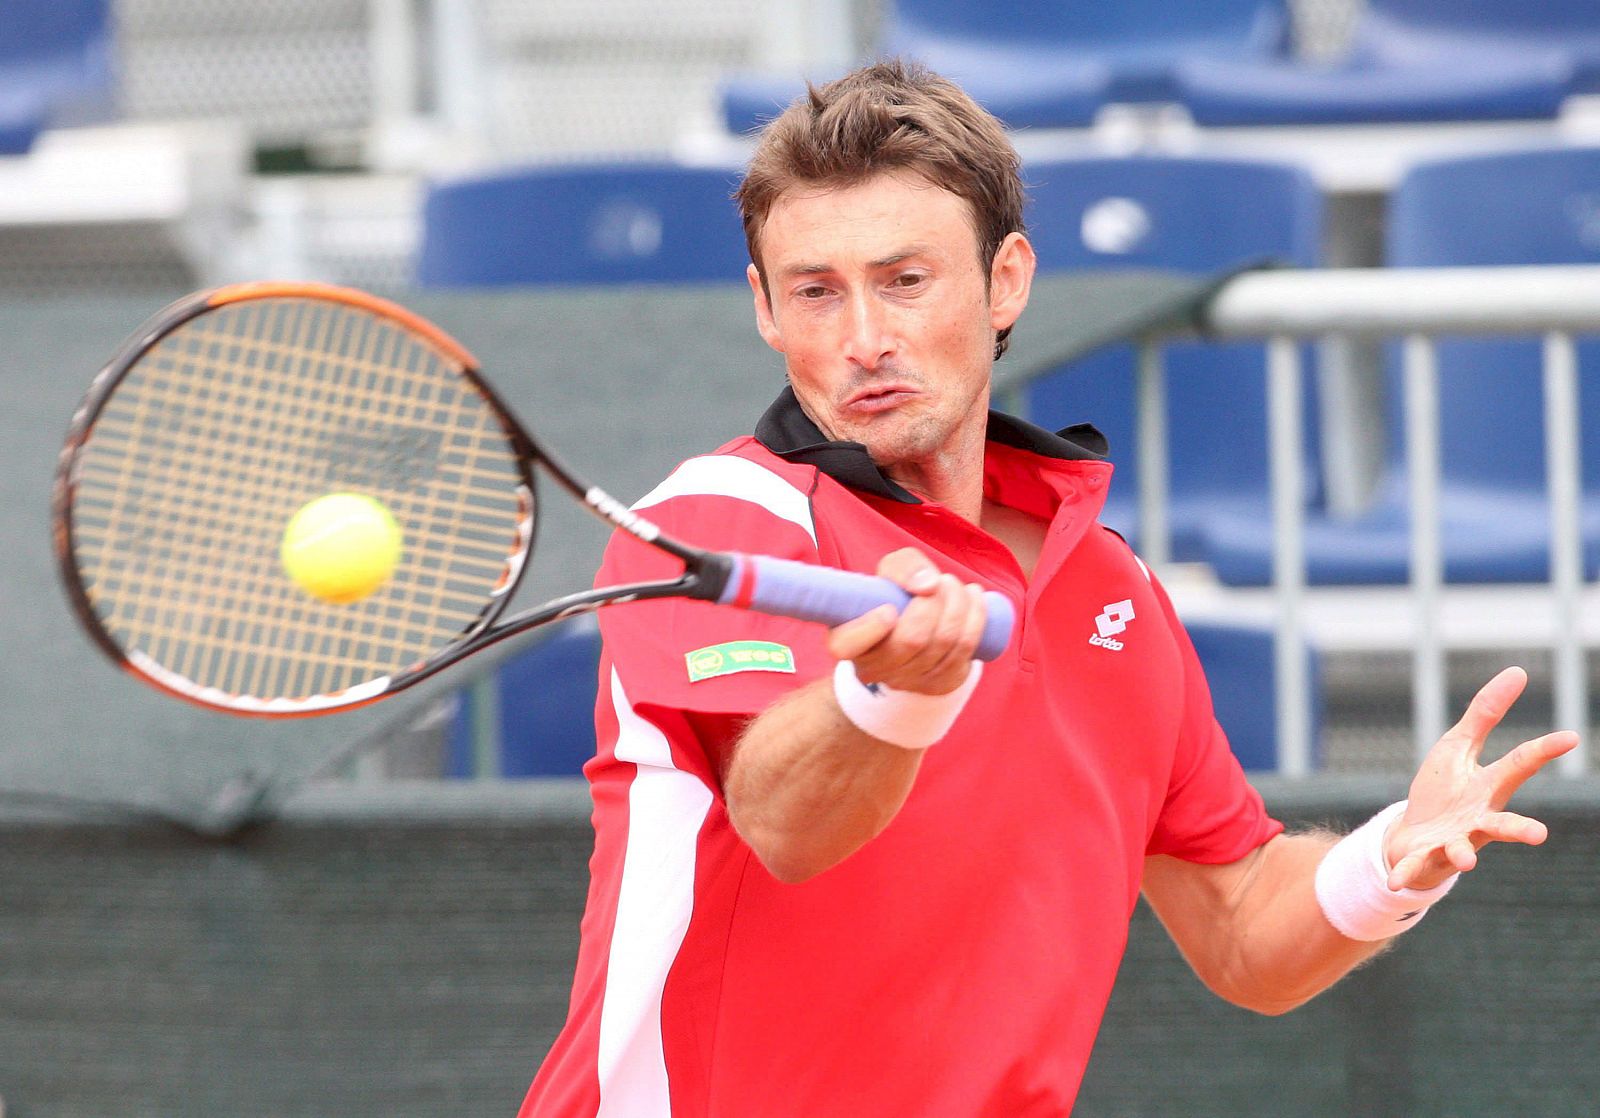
[1256, 933]
[806, 789]
[823, 771]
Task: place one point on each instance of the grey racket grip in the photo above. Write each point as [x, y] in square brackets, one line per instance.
[832, 596]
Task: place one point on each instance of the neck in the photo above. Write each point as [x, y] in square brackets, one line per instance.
[952, 476]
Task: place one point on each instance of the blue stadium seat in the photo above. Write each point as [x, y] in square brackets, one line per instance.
[1416, 60]
[1201, 216]
[1241, 667]
[543, 713]
[1045, 64]
[583, 224]
[1529, 207]
[54, 54]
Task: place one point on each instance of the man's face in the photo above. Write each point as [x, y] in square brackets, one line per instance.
[877, 298]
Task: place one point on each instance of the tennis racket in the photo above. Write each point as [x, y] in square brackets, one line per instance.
[233, 408]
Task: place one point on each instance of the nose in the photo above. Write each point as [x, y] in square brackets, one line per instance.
[869, 340]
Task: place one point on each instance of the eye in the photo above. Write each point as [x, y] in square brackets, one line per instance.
[908, 279]
[812, 291]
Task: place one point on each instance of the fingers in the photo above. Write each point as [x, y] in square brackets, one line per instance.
[850, 640]
[1508, 826]
[1461, 854]
[1428, 865]
[1456, 806]
[1513, 770]
[1489, 706]
[929, 646]
[1408, 871]
[911, 569]
[914, 573]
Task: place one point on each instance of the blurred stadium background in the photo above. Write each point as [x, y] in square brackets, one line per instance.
[377, 913]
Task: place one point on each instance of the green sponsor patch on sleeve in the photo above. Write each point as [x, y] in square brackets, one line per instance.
[738, 656]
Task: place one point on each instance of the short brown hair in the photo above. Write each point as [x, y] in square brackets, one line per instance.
[890, 116]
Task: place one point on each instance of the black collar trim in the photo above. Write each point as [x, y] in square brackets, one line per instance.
[788, 432]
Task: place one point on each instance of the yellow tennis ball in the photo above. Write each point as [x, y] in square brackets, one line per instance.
[341, 547]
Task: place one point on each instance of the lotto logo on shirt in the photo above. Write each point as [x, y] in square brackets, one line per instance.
[1111, 621]
[738, 656]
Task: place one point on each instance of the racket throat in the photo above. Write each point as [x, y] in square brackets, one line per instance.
[719, 578]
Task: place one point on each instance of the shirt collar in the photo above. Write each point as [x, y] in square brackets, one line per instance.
[788, 432]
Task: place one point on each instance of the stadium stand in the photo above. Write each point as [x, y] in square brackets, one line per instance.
[623, 77]
[1414, 60]
[583, 224]
[1529, 207]
[127, 207]
[290, 73]
[1036, 64]
[55, 63]
[1195, 216]
[344, 106]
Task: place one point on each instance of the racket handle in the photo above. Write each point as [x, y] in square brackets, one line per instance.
[832, 596]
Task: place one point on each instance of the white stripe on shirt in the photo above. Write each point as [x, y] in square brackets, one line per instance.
[727, 475]
[666, 809]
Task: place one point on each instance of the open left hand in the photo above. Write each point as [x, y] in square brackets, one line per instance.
[1454, 809]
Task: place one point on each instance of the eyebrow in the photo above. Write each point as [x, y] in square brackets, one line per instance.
[882, 262]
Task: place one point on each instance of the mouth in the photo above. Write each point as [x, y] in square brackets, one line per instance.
[878, 398]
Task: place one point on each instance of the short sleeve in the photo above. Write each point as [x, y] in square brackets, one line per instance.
[699, 657]
[1211, 813]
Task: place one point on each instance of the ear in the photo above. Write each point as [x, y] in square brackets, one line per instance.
[1010, 280]
[766, 323]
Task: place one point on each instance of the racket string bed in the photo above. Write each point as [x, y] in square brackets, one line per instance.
[240, 418]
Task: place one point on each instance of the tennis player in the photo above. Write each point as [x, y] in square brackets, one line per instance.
[853, 872]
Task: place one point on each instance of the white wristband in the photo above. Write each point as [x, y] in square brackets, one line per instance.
[1352, 884]
[905, 718]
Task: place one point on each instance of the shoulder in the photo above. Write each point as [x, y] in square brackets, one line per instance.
[1109, 559]
[740, 497]
[742, 478]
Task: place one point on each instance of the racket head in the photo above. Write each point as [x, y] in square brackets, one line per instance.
[224, 415]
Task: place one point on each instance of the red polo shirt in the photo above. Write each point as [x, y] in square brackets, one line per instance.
[959, 963]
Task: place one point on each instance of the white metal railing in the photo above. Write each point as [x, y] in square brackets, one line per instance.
[1288, 308]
